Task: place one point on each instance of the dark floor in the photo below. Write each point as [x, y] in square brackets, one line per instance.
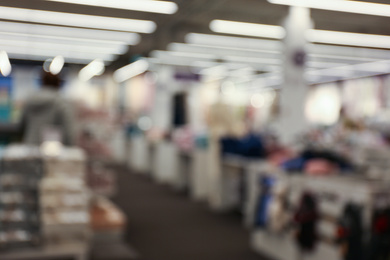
[164, 225]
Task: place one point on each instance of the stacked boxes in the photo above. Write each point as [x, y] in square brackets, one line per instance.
[65, 198]
[20, 174]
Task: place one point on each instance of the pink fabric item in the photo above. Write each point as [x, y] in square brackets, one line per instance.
[184, 138]
[319, 167]
[277, 157]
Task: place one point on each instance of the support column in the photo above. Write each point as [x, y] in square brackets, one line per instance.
[292, 119]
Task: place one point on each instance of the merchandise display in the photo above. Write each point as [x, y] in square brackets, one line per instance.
[44, 202]
[331, 217]
[275, 113]
[65, 197]
[20, 207]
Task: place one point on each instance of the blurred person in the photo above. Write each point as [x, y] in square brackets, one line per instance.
[46, 112]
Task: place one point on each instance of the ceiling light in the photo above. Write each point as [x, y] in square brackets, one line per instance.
[160, 54]
[59, 32]
[62, 40]
[5, 65]
[131, 70]
[318, 53]
[202, 64]
[212, 42]
[347, 38]
[43, 58]
[218, 51]
[248, 29]
[77, 20]
[348, 72]
[340, 57]
[321, 64]
[340, 6]
[42, 54]
[162, 7]
[188, 58]
[228, 88]
[233, 42]
[66, 47]
[56, 65]
[95, 68]
[257, 100]
[46, 65]
[255, 60]
[319, 36]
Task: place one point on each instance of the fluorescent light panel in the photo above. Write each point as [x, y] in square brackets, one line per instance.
[340, 6]
[200, 64]
[25, 52]
[5, 65]
[81, 61]
[95, 68]
[233, 42]
[339, 53]
[347, 38]
[215, 50]
[190, 55]
[77, 20]
[131, 70]
[56, 65]
[319, 36]
[162, 7]
[59, 32]
[248, 29]
[62, 40]
[64, 47]
[262, 64]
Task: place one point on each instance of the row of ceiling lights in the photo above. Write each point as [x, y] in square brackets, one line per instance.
[207, 47]
[99, 41]
[110, 23]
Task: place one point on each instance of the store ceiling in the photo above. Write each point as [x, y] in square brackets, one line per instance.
[196, 15]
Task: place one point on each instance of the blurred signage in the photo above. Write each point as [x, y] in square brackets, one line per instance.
[5, 99]
[187, 76]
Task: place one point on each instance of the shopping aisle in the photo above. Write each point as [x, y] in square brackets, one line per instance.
[164, 225]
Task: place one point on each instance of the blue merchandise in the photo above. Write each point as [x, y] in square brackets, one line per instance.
[295, 164]
[250, 146]
[265, 199]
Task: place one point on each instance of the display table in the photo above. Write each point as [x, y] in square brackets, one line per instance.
[165, 168]
[77, 251]
[282, 247]
[228, 186]
[276, 237]
[139, 156]
[185, 170]
[199, 181]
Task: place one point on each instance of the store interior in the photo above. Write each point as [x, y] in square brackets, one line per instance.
[204, 130]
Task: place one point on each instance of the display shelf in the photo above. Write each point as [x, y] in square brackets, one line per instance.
[229, 184]
[185, 171]
[77, 251]
[199, 181]
[20, 225]
[282, 247]
[333, 194]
